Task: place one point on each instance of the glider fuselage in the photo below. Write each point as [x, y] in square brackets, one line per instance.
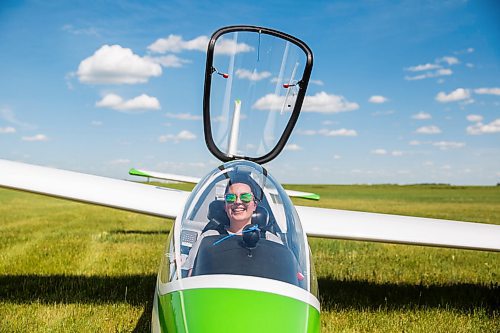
[234, 287]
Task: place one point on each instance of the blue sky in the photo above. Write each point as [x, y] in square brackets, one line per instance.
[413, 88]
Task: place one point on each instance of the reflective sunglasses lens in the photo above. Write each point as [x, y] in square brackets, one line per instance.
[230, 197]
[246, 197]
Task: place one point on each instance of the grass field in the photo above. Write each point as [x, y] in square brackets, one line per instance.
[66, 266]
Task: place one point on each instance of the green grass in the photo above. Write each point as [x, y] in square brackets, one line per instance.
[66, 266]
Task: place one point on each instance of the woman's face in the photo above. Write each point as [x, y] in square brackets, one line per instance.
[238, 211]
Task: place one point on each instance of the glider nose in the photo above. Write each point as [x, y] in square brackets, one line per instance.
[235, 310]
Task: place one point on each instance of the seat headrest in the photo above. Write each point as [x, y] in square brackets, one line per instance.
[217, 213]
[260, 217]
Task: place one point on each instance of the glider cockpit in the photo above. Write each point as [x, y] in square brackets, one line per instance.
[273, 246]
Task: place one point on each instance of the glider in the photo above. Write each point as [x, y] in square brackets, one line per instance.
[247, 121]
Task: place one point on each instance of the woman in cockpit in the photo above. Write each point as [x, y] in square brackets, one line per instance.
[240, 205]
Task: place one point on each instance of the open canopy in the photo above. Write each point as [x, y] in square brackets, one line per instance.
[255, 83]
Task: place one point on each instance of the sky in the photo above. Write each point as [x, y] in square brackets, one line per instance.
[410, 89]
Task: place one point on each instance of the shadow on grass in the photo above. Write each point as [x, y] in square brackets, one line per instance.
[138, 290]
[364, 295]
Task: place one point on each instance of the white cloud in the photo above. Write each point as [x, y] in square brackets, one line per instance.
[328, 132]
[474, 118]
[480, 128]
[416, 77]
[96, 123]
[488, 91]
[120, 161]
[293, 147]
[35, 138]
[467, 50]
[109, 101]
[337, 157]
[141, 103]
[443, 72]
[377, 99]
[431, 70]
[7, 130]
[116, 65]
[307, 132]
[170, 60]
[425, 67]
[339, 132]
[82, 31]
[456, 95]
[437, 73]
[421, 116]
[252, 76]
[379, 151]
[326, 103]
[271, 102]
[230, 47]
[219, 119]
[317, 82]
[431, 129]
[183, 116]
[183, 135]
[466, 102]
[8, 115]
[186, 135]
[449, 60]
[175, 43]
[445, 145]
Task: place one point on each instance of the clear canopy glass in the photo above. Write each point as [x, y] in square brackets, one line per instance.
[254, 87]
[278, 249]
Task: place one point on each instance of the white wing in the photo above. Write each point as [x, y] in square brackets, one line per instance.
[344, 224]
[317, 222]
[194, 180]
[121, 194]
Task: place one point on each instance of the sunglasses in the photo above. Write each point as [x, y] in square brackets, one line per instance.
[244, 197]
